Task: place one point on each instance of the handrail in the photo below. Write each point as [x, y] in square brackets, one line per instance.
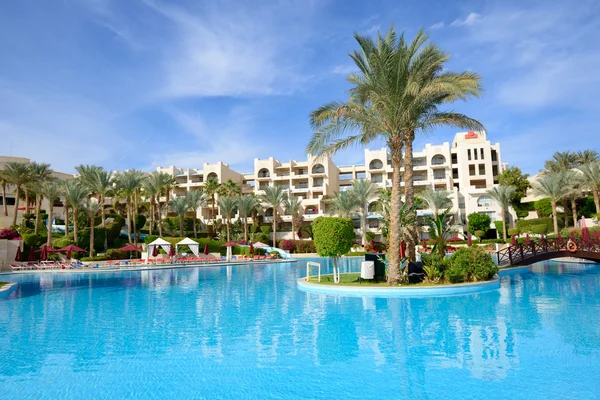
[518, 253]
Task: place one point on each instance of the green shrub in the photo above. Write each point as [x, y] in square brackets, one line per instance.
[63, 242]
[333, 236]
[526, 225]
[305, 246]
[577, 231]
[33, 240]
[539, 229]
[543, 207]
[499, 230]
[262, 237]
[513, 232]
[479, 222]
[116, 254]
[83, 238]
[356, 254]
[95, 258]
[150, 238]
[479, 234]
[470, 264]
[265, 229]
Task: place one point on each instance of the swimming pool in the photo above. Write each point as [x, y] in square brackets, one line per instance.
[248, 332]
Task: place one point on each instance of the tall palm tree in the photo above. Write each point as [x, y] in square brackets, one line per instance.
[196, 200]
[158, 181]
[211, 188]
[180, 205]
[91, 207]
[575, 185]
[395, 95]
[246, 206]
[18, 174]
[41, 174]
[502, 195]
[562, 162]
[130, 181]
[343, 204]
[591, 181]
[586, 156]
[552, 185]
[364, 192]
[229, 189]
[436, 200]
[74, 193]
[4, 181]
[274, 197]
[51, 191]
[228, 206]
[151, 190]
[101, 183]
[293, 205]
[168, 185]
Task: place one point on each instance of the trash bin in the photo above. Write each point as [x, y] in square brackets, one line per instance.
[379, 261]
[367, 270]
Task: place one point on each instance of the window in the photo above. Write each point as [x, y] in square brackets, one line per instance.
[494, 170]
[484, 201]
[492, 215]
[264, 173]
[438, 160]
[263, 185]
[475, 154]
[481, 169]
[454, 158]
[346, 177]
[318, 169]
[455, 173]
[481, 153]
[471, 170]
[375, 164]
[469, 154]
[318, 182]
[456, 185]
[439, 175]
[494, 155]
[300, 172]
[377, 178]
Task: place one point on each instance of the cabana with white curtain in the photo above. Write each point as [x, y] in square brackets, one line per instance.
[193, 245]
[166, 246]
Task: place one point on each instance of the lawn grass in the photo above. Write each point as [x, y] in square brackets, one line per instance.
[4, 283]
[352, 280]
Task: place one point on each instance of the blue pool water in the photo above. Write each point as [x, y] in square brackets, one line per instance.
[247, 332]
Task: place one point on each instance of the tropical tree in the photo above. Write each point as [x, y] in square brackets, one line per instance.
[436, 200]
[229, 189]
[101, 184]
[586, 157]
[151, 190]
[196, 200]
[180, 206]
[19, 175]
[246, 206]
[40, 174]
[91, 207]
[591, 181]
[293, 205]
[552, 185]
[74, 194]
[211, 188]
[156, 183]
[274, 196]
[364, 192]
[396, 94]
[343, 204]
[51, 191]
[228, 206]
[168, 185]
[562, 162]
[129, 182]
[503, 196]
[4, 181]
[439, 227]
[575, 185]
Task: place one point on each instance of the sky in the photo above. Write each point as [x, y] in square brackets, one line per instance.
[145, 83]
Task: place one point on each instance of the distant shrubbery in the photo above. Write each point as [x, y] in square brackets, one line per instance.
[297, 246]
[527, 225]
[469, 264]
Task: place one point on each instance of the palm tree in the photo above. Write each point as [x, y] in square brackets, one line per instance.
[91, 207]
[586, 156]
[395, 95]
[101, 183]
[562, 162]
[18, 174]
[293, 205]
[4, 181]
[552, 185]
[41, 174]
[130, 181]
[229, 189]
[246, 206]
[151, 191]
[228, 206]
[343, 204]
[274, 196]
[196, 200]
[211, 187]
[575, 184]
[591, 181]
[364, 192]
[51, 191]
[168, 185]
[74, 194]
[503, 196]
[156, 183]
[180, 205]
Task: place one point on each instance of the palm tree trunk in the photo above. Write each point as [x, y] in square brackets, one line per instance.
[128, 205]
[363, 224]
[101, 201]
[574, 211]
[555, 217]
[92, 227]
[565, 204]
[409, 195]
[160, 229]
[504, 222]
[4, 205]
[150, 230]
[293, 228]
[195, 231]
[228, 229]
[274, 227]
[75, 220]
[135, 210]
[181, 226]
[394, 232]
[212, 215]
[49, 224]
[596, 202]
[66, 218]
[26, 199]
[14, 221]
[38, 206]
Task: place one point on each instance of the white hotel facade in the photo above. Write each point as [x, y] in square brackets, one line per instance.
[467, 168]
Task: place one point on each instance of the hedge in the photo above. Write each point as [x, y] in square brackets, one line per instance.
[526, 225]
[499, 229]
[540, 229]
[470, 264]
[297, 246]
[577, 231]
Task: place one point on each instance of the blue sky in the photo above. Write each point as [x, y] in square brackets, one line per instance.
[140, 84]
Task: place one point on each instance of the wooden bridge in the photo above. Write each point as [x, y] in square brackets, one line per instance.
[545, 249]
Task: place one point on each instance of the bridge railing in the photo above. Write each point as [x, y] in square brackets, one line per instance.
[515, 254]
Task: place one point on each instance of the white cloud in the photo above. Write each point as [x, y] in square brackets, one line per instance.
[471, 19]
[438, 25]
[373, 30]
[344, 69]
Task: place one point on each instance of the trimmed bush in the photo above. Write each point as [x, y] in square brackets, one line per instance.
[470, 264]
[33, 240]
[116, 254]
[479, 222]
[95, 258]
[498, 225]
[287, 245]
[265, 229]
[305, 246]
[333, 236]
[540, 229]
[526, 225]
[543, 207]
[513, 231]
[62, 242]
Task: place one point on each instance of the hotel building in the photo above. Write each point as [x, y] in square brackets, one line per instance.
[467, 168]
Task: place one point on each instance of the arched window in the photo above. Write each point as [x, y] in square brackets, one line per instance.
[269, 212]
[264, 173]
[375, 164]
[212, 175]
[318, 169]
[438, 159]
[484, 201]
[373, 207]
